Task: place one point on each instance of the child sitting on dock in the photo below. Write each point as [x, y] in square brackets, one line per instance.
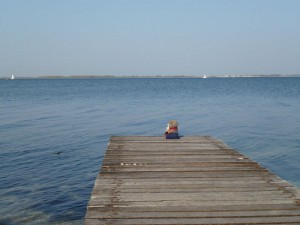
[172, 130]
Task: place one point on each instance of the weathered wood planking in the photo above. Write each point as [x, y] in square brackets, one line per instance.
[193, 180]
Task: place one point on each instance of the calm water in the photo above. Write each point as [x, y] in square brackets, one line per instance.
[53, 133]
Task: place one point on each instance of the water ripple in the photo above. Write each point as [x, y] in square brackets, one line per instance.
[54, 133]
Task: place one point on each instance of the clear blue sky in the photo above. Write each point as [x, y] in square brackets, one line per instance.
[149, 37]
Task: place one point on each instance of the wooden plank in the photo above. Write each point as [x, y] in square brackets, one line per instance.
[205, 196]
[95, 213]
[177, 164]
[205, 208]
[215, 220]
[116, 203]
[193, 180]
[168, 189]
[180, 169]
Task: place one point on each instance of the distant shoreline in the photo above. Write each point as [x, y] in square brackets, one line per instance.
[156, 76]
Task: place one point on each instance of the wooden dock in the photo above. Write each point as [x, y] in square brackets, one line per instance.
[193, 180]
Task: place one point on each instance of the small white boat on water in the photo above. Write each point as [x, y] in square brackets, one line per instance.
[204, 76]
[12, 77]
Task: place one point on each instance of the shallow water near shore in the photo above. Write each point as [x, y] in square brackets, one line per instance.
[54, 133]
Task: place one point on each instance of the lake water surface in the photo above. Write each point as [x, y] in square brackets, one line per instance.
[54, 133]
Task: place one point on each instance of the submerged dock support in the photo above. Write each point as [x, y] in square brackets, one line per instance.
[193, 180]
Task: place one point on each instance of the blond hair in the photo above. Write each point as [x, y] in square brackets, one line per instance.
[173, 123]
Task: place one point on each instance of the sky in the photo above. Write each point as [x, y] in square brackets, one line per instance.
[149, 37]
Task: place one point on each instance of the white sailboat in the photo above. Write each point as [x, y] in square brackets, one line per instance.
[204, 76]
[12, 77]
